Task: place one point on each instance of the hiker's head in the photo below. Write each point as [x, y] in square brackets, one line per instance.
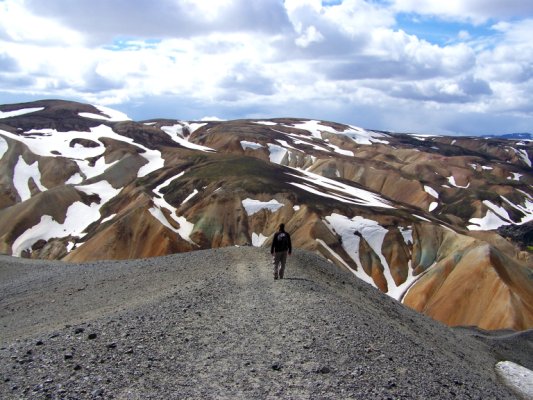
[282, 227]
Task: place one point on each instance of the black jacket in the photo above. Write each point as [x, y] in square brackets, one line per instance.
[281, 243]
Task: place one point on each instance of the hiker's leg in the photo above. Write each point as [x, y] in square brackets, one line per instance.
[283, 260]
[276, 261]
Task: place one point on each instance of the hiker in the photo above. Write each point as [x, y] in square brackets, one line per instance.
[281, 245]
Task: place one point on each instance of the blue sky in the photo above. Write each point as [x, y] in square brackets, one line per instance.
[454, 67]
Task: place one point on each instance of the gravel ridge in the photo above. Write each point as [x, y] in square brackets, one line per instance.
[214, 324]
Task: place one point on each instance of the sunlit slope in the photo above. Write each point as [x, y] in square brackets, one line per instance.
[415, 216]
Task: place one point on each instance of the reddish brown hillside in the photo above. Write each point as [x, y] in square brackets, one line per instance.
[416, 217]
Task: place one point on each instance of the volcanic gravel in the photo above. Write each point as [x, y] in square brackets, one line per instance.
[215, 324]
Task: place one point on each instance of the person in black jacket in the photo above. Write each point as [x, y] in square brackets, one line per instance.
[281, 246]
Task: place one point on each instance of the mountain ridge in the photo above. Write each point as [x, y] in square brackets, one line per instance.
[399, 211]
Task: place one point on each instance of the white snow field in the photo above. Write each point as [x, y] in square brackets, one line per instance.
[431, 191]
[194, 193]
[451, 179]
[185, 227]
[323, 186]
[176, 134]
[524, 156]
[258, 239]
[49, 142]
[277, 153]
[254, 206]
[78, 217]
[4, 147]
[358, 135]
[112, 115]
[497, 216]
[250, 145]
[22, 175]
[374, 234]
[16, 113]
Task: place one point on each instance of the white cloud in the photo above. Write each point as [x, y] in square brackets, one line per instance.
[18, 24]
[244, 58]
[310, 35]
[102, 20]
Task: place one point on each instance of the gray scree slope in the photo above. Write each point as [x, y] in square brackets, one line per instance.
[214, 324]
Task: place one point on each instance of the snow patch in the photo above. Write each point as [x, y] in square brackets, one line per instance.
[358, 135]
[524, 156]
[342, 192]
[497, 216]
[314, 146]
[277, 153]
[451, 179]
[75, 179]
[195, 126]
[47, 142]
[174, 131]
[250, 145]
[516, 176]
[186, 227]
[374, 235]
[314, 127]
[407, 233]
[337, 149]
[103, 189]
[258, 239]
[269, 123]
[109, 218]
[285, 144]
[22, 175]
[155, 162]
[78, 217]
[433, 205]
[488, 222]
[296, 208]
[253, 206]
[526, 209]
[194, 193]
[176, 134]
[158, 214]
[16, 113]
[111, 115]
[431, 191]
[516, 377]
[3, 147]
[364, 137]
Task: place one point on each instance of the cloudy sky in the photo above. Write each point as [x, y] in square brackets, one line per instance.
[433, 66]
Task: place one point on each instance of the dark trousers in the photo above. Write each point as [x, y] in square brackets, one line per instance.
[279, 260]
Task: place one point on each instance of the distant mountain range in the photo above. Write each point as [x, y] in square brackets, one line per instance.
[519, 136]
[415, 216]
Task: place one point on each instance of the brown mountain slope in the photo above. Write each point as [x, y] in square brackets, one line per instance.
[416, 217]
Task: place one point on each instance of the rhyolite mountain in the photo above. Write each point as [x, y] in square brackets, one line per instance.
[441, 223]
